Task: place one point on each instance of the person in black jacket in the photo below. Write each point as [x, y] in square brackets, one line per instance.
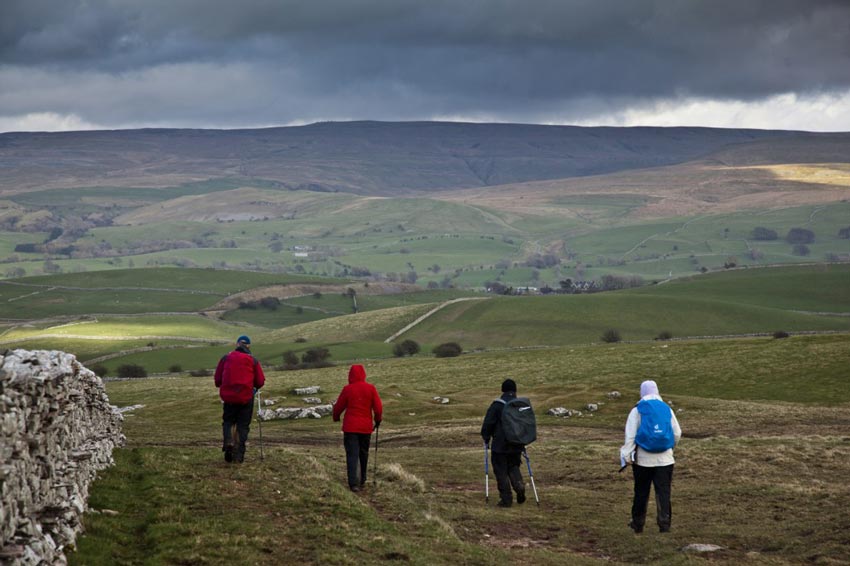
[506, 458]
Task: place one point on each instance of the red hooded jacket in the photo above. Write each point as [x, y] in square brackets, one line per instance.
[359, 400]
[236, 376]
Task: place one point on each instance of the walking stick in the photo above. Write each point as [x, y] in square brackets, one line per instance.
[375, 467]
[486, 476]
[260, 422]
[531, 475]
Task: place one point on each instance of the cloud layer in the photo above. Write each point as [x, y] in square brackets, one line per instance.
[219, 63]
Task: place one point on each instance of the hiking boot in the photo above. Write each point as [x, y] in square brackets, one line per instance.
[355, 488]
[635, 527]
[228, 453]
[503, 504]
[240, 458]
[520, 498]
[664, 529]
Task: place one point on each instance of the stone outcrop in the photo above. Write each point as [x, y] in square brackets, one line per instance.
[57, 430]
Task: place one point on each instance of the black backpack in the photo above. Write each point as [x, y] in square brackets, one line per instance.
[518, 422]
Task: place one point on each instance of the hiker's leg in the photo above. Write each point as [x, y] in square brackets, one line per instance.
[500, 470]
[663, 480]
[643, 483]
[243, 425]
[363, 454]
[352, 457]
[515, 474]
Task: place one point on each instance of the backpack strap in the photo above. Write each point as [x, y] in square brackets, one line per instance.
[500, 400]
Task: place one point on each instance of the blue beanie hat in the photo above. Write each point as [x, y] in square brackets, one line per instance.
[243, 340]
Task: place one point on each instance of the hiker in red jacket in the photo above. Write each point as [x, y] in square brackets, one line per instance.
[359, 400]
[238, 376]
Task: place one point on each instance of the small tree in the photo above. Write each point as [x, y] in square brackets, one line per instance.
[131, 370]
[664, 335]
[175, 368]
[611, 336]
[780, 334]
[406, 348]
[316, 357]
[290, 360]
[800, 236]
[764, 234]
[447, 350]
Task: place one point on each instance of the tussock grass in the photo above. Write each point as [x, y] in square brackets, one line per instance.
[396, 472]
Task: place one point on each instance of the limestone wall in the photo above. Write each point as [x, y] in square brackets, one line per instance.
[57, 430]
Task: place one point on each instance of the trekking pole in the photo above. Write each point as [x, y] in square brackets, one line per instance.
[260, 423]
[375, 467]
[486, 476]
[531, 475]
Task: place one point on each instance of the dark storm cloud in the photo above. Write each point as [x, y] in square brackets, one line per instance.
[275, 60]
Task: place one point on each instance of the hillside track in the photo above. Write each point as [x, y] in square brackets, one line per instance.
[431, 312]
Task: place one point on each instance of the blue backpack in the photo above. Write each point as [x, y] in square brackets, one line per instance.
[655, 433]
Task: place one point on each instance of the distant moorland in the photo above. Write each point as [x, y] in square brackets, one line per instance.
[437, 204]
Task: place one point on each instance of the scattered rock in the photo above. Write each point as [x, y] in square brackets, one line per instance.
[613, 395]
[303, 391]
[286, 413]
[312, 400]
[699, 548]
[269, 402]
[109, 512]
[563, 412]
[591, 407]
[128, 409]
[441, 400]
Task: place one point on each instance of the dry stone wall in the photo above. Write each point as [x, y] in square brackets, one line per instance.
[57, 430]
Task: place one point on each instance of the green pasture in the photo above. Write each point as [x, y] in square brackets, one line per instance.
[818, 288]
[449, 253]
[764, 437]
[388, 235]
[219, 281]
[86, 349]
[332, 304]
[194, 356]
[178, 326]
[581, 319]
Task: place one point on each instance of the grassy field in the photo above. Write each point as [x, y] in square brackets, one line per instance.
[732, 302]
[399, 235]
[758, 470]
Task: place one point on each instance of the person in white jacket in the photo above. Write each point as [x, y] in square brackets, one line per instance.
[649, 467]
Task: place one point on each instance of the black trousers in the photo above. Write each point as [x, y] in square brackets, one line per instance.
[506, 469]
[645, 477]
[356, 456]
[240, 417]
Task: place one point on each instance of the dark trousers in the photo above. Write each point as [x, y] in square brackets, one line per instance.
[356, 456]
[240, 417]
[646, 477]
[506, 469]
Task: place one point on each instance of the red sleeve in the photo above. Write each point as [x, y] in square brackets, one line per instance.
[219, 371]
[377, 406]
[259, 376]
[341, 403]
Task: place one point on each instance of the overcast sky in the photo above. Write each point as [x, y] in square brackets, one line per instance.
[83, 64]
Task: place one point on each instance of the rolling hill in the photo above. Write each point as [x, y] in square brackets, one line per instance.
[367, 158]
